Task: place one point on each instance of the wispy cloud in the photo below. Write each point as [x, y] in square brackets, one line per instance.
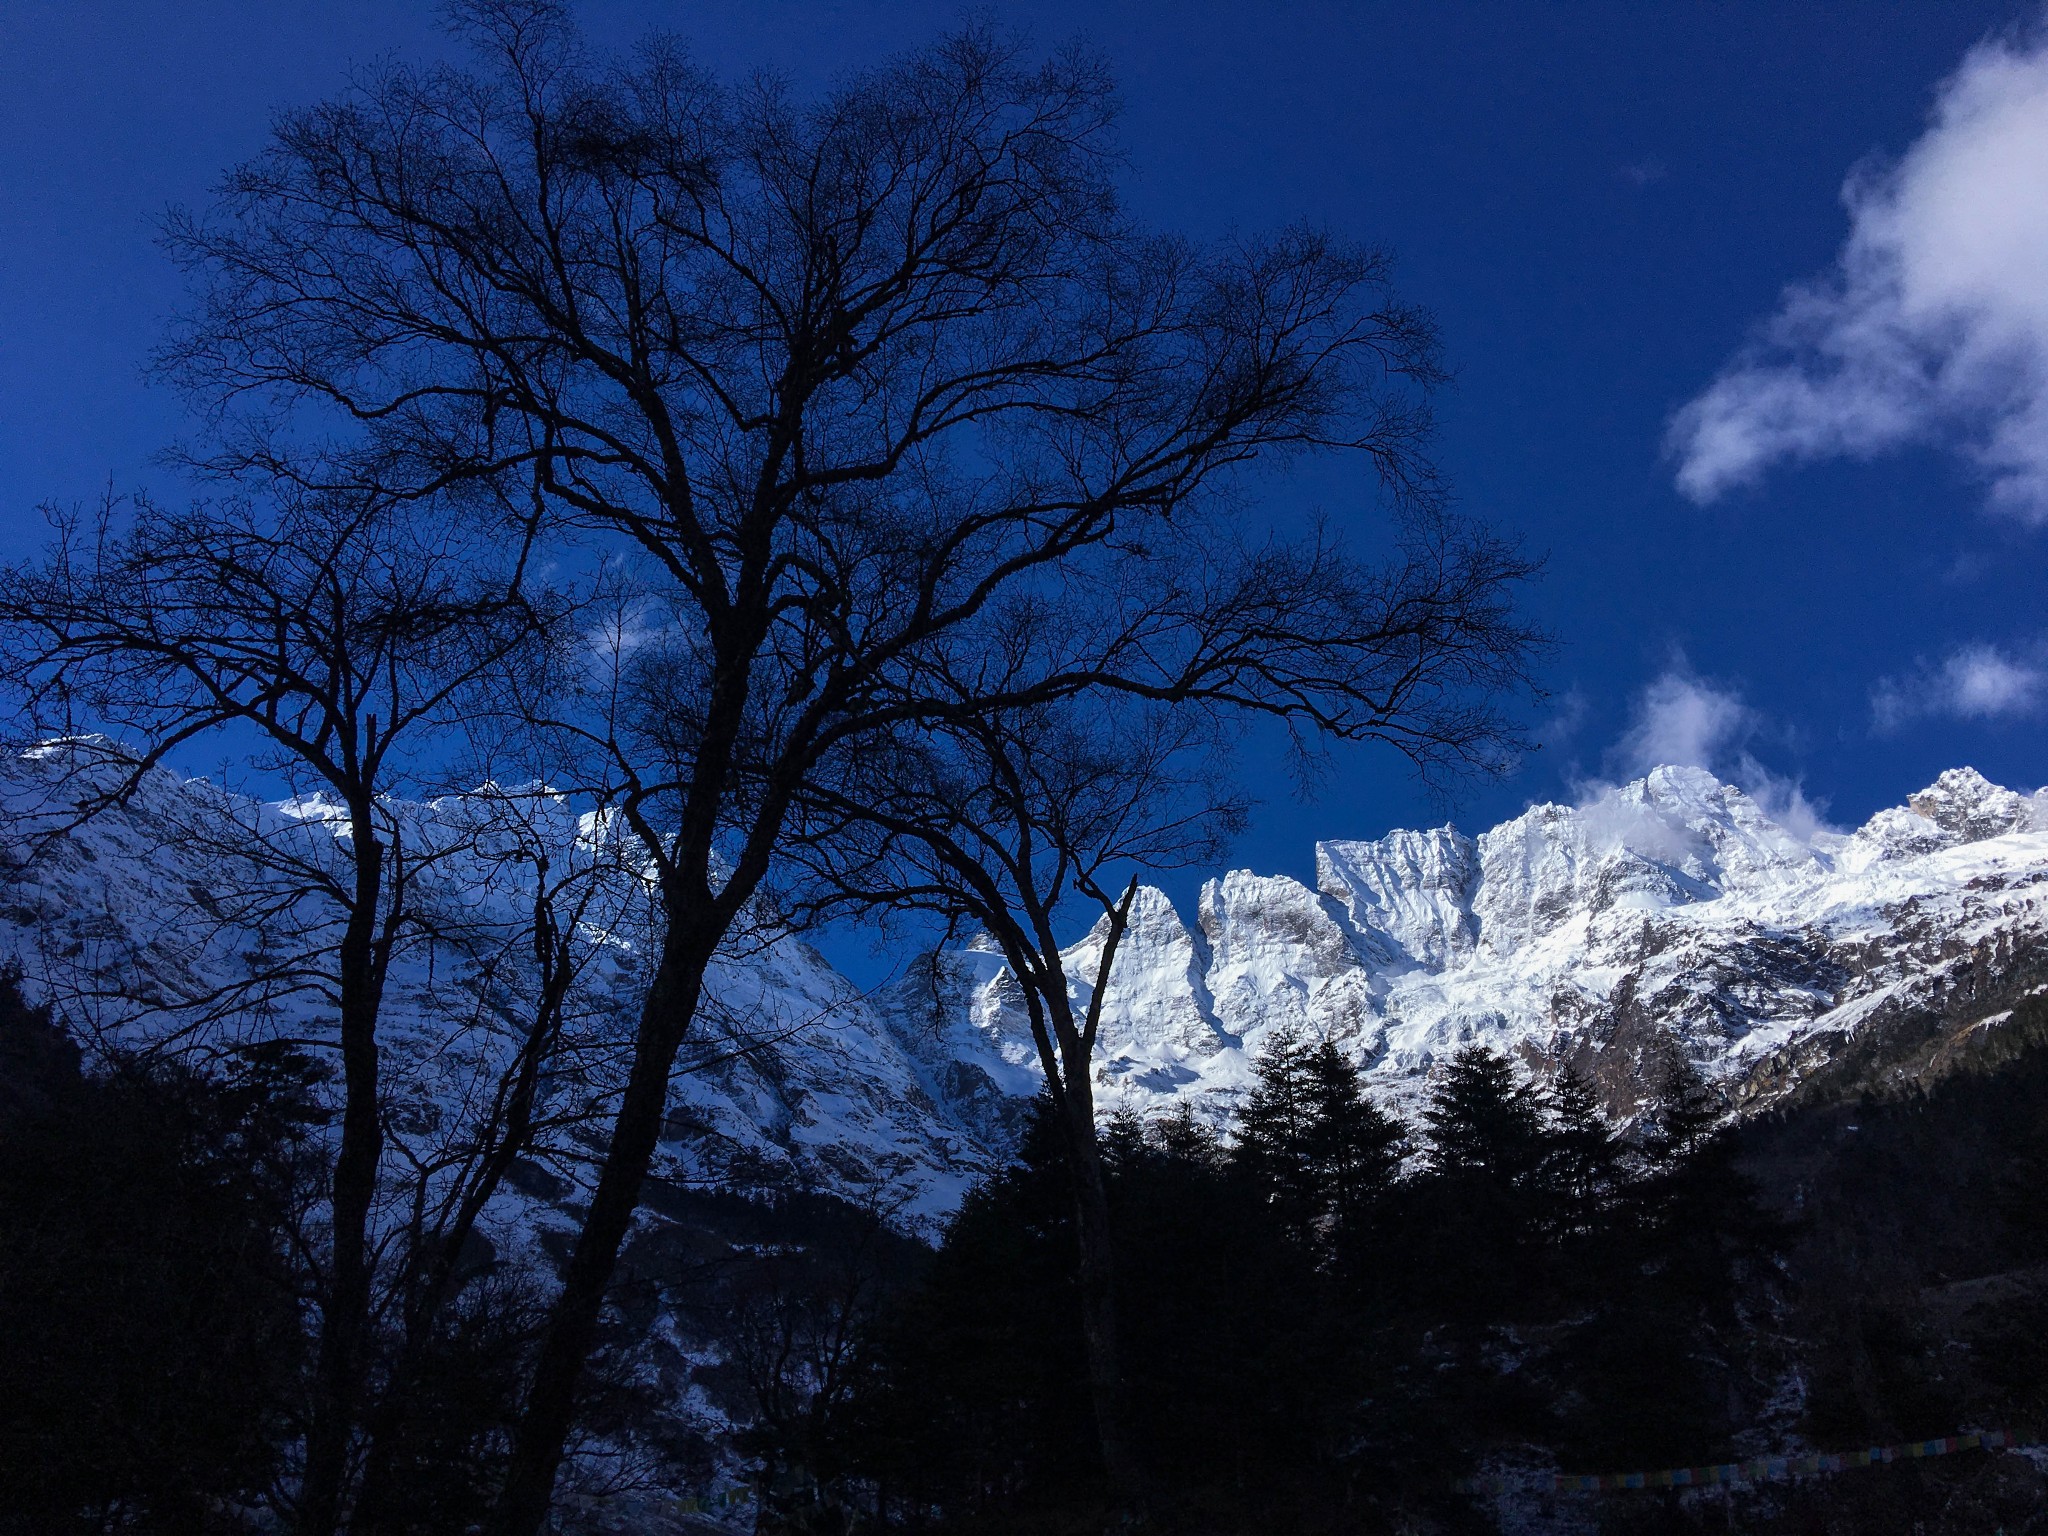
[1683, 719]
[1974, 682]
[1933, 326]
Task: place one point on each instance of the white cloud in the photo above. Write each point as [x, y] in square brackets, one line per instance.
[1784, 800]
[1933, 327]
[1684, 720]
[1975, 682]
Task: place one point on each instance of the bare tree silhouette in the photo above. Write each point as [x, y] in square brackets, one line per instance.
[333, 633]
[874, 410]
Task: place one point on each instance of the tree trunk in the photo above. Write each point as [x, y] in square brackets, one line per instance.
[1097, 1277]
[354, 1190]
[377, 1506]
[1096, 1267]
[544, 1426]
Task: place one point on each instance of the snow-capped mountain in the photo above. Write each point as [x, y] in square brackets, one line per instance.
[1671, 914]
[191, 919]
[1668, 914]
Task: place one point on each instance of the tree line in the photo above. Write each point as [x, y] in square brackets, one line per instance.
[825, 505]
[1327, 1314]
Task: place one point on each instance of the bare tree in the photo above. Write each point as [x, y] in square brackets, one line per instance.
[846, 388]
[333, 635]
[1011, 821]
[570, 882]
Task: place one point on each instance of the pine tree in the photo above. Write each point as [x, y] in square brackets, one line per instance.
[1274, 1133]
[1583, 1174]
[1482, 1200]
[1682, 1116]
[1485, 1123]
[1355, 1149]
[1679, 1138]
[1325, 1154]
[1181, 1136]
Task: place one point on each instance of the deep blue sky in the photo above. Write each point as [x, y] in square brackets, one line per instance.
[1598, 200]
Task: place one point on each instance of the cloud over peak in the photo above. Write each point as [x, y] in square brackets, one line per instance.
[1933, 326]
[1684, 720]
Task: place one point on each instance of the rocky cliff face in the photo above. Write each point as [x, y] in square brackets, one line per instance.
[1669, 915]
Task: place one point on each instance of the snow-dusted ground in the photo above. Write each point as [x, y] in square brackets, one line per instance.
[1669, 909]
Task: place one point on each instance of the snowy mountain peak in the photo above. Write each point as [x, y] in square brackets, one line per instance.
[1155, 998]
[1965, 804]
[1408, 894]
[1671, 913]
[1674, 836]
[1959, 808]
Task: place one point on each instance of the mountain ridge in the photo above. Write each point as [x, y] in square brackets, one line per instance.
[1668, 916]
[1559, 933]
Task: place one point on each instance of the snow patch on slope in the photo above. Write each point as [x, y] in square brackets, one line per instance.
[151, 922]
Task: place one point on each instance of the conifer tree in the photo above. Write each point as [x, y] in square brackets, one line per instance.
[1482, 1198]
[1681, 1117]
[1326, 1154]
[1273, 1133]
[1357, 1146]
[1583, 1174]
[1484, 1123]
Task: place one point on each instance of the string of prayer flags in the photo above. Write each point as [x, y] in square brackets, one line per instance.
[1757, 1469]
